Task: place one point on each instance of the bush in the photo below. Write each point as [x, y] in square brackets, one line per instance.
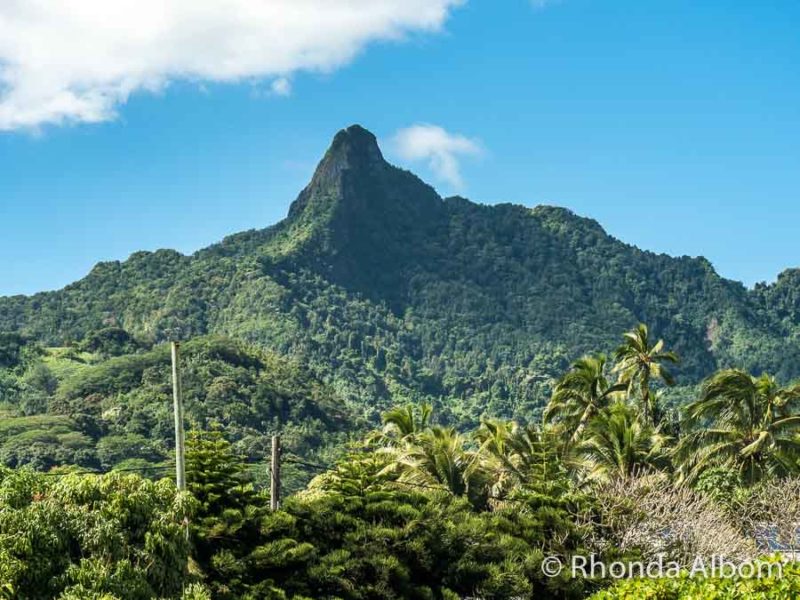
[712, 588]
[651, 516]
[111, 536]
[770, 514]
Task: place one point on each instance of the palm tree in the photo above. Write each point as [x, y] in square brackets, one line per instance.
[580, 394]
[619, 444]
[516, 455]
[749, 423]
[439, 458]
[401, 423]
[639, 363]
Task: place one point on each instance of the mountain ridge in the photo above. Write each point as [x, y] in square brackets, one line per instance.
[390, 291]
[341, 140]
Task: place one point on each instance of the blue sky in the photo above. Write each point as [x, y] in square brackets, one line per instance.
[675, 124]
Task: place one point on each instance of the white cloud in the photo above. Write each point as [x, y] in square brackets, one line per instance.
[77, 60]
[439, 148]
[281, 87]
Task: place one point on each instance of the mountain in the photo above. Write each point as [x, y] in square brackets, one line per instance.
[386, 291]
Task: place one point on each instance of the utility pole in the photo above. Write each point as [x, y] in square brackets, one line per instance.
[275, 474]
[180, 453]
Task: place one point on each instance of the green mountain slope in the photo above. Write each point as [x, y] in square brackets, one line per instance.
[100, 410]
[387, 291]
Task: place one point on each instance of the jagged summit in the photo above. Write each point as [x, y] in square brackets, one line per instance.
[357, 145]
[353, 177]
[364, 218]
[353, 150]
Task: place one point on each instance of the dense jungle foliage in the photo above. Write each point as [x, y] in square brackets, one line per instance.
[94, 406]
[419, 510]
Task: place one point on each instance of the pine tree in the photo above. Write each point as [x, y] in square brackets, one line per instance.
[226, 525]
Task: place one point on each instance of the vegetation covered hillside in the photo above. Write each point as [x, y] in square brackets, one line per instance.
[101, 405]
[388, 292]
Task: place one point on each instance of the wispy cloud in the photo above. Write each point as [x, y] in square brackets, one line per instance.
[442, 150]
[63, 61]
[281, 87]
[539, 4]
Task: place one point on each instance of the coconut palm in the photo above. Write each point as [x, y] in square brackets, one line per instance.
[620, 444]
[639, 363]
[401, 423]
[580, 394]
[438, 457]
[515, 455]
[749, 423]
[494, 437]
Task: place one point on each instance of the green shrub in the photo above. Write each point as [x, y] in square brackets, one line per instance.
[783, 587]
[112, 536]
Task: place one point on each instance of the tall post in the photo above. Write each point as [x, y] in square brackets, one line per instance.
[180, 456]
[275, 474]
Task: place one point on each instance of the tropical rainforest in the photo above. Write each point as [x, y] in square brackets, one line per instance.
[461, 392]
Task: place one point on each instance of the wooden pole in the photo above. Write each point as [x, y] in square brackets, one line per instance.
[180, 452]
[275, 474]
